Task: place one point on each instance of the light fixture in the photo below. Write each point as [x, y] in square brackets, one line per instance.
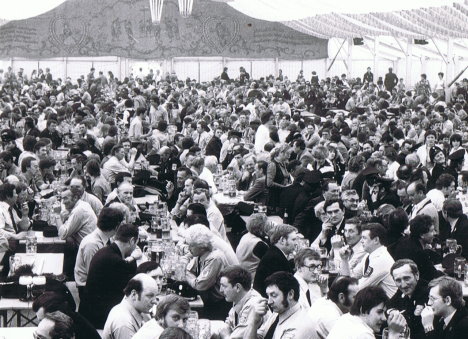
[185, 8]
[156, 7]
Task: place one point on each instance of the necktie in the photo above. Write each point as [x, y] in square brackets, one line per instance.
[272, 329]
[13, 219]
[236, 318]
[308, 297]
[366, 264]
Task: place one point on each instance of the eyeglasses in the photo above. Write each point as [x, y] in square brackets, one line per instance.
[314, 267]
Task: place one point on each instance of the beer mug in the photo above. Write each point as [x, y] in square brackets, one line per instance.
[403, 335]
[453, 247]
[459, 267]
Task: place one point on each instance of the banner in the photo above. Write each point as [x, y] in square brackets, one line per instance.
[123, 28]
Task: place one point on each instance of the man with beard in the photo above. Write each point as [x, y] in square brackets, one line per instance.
[411, 295]
[367, 316]
[172, 311]
[289, 319]
[327, 310]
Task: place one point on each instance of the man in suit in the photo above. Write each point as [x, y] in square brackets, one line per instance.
[283, 239]
[413, 247]
[452, 212]
[411, 295]
[445, 316]
[334, 209]
[109, 272]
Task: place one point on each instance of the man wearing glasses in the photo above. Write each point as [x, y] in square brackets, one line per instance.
[445, 315]
[313, 285]
[350, 201]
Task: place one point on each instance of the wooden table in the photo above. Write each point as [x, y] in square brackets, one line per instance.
[45, 240]
[20, 310]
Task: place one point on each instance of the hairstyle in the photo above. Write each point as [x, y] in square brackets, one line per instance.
[238, 275]
[444, 181]
[282, 148]
[47, 163]
[285, 282]
[29, 142]
[147, 267]
[198, 162]
[303, 254]
[320, 152]
[355, 221]
[26, 163]
[356, 163]
[119, 178]
[6, 191]
[280, 231]
[368, 298]
[171, 302]
[397, 220]
[174, 333]
[263, 165]
[200, 236]
[134, 284]
[116, 148]
[51, 301]
[419, 225]
[456, 137]
[126, 232]
[453, 208]
[63, 325]
[255, 224]
[340, 285]
[402, 262]
[376, 230]
[330, 202]
[109, 219]
[449, 287]
[93, 168]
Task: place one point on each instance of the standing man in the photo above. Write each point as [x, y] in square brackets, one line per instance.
[262, 136]
[447, 305]
[126, 318]
[289, 319]
[283, 240]
[368, 76]
[452, 211]
[109, 272]
[391, 80]
[224, 75]
[236, 286]
[374, 269]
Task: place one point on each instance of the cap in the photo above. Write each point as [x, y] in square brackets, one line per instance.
[433, 152]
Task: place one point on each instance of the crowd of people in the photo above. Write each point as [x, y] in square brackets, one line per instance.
[370, 178]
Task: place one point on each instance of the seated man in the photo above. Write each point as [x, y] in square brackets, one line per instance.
[236, 286]
[313, 285]
[216, 219]
[289, 319]
[49, 302]
[171, 311]
[411, 295]
[367, 316]
[126, 318]
[445, 315]
[327, 310]
[55, 325]
[374, 269]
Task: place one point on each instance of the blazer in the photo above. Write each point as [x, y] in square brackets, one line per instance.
[273, 261]
[108, 275]
[460, 233]
[457, 328]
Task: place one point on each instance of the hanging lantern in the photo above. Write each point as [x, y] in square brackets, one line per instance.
[156, 7]
[185, 8]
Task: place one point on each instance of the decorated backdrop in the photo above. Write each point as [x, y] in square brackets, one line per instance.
[124, 28]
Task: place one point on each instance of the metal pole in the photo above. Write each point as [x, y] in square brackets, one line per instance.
[333, 61]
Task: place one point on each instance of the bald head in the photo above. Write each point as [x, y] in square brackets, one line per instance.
[141, 292]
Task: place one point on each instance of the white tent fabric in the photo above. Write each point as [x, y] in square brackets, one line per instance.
[23, 9]
[342, 19]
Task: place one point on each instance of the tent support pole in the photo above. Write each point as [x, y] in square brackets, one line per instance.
[409, 59]
[333, 61]
[399, 44]
[438, 50]
[376, 54]
[350, 58]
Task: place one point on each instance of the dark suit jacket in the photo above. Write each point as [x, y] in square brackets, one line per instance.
[258, 192]
[456, 329]
[108, 275]
[214, 147]
[273, 261]
[409, 248]
[461, 234]
[407, 304]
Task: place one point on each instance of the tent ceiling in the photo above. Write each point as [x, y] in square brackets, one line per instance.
[343, 19]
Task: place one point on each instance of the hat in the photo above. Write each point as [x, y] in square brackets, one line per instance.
[369, 171]
[433, 152]
[8, 135]
[458, 155]
[312, 177]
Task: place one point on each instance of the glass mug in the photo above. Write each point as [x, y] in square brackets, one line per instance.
[459, 267]
[453, 247]
[403, 335]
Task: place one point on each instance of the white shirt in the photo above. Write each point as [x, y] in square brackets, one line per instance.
[150, 330]
[216, 220]
[208, 177]
[351, 327]
[262, 136]
[324, 313]
[378, 272]
[314, 291]
[437, 198]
